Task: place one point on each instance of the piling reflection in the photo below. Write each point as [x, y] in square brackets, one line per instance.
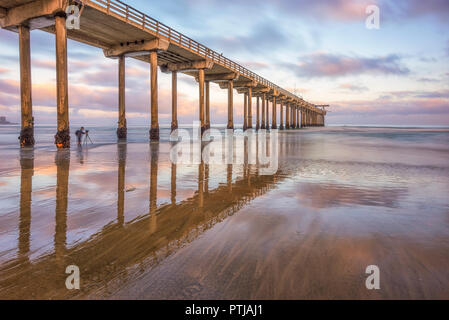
[121, 156]
[62, 161]
[119, 246]
[26, 176]
[154, 153]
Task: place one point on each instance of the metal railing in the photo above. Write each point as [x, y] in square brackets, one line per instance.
[142, 21]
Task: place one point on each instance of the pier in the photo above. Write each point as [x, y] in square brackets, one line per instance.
[124, 32]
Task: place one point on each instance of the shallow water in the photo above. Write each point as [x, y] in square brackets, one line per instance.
[141, 227]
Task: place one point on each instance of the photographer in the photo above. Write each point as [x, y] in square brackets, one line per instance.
[79, 134]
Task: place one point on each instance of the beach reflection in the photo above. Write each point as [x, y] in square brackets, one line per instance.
[139, 226]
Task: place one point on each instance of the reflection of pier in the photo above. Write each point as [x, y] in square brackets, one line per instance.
[114, 252]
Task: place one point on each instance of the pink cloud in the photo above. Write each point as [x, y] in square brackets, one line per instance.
[335, 65]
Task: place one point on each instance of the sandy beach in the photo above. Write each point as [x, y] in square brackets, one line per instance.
[140, 227]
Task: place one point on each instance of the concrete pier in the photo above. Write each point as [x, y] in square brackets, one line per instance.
[128, 33]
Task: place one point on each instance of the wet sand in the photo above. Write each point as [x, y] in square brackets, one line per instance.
[140, 227]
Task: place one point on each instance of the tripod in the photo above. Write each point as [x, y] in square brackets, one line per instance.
[87, 137]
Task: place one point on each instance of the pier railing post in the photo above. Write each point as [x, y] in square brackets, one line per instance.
[27, 124]
[62, 137]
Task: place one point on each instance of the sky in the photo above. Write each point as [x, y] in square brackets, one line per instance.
[322, 50]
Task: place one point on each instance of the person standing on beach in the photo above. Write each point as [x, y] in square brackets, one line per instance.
[79, 133]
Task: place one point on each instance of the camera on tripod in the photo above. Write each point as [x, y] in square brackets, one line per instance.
[87, 138]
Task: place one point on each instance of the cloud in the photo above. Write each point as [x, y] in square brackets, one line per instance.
[44, 64]
[334, 65]
[428, 80]
[444, 94]
[416, 8]
[387, 106]
[341, 10]
[262, 37]
[9, 86]
[352, 87]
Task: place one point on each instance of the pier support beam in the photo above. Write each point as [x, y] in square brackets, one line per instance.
[250, 108]
[281, 120]
[154, 130]
[290, 119]
[293, 117]
[207, 105]
[295, 113]
[267, 102]
[258, 117]
[263, 111]
[287, 116]
[298, 118]
[245, 111]
[62, 137]
[201, 98]
[302, 118]
[230, 105]
[174, 100]
[273, 117]
[27, 124]
[121, 130]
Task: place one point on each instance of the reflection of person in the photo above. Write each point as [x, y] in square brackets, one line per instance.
[79, 133]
